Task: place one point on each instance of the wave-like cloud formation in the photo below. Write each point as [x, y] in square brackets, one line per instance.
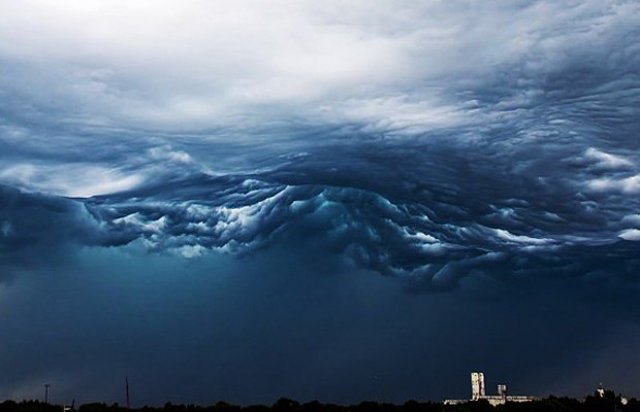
[426, 212]
[436, 229]
[426, 142]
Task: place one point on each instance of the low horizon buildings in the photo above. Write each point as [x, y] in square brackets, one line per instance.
[478, 393]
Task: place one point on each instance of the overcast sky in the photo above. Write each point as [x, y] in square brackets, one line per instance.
[322, 200]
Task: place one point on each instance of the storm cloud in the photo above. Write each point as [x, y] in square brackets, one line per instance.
[432, 160]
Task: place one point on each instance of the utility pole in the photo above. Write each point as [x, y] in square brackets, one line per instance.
[46, 393]
[126, 385]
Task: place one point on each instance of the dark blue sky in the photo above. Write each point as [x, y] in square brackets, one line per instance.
[340, 202]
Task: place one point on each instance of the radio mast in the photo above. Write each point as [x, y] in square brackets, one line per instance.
[126, 388]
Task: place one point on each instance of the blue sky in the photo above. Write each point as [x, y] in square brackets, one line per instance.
[248, 200]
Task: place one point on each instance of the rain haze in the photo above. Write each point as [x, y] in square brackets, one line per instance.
[341, 201]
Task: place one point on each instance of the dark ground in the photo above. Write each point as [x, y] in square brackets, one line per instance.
[593, 403]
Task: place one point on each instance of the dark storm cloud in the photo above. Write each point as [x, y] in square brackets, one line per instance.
[484, 149]
[36, 228]
[445, 222]
[455, 213]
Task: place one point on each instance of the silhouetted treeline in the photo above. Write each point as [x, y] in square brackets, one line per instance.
[608, 403]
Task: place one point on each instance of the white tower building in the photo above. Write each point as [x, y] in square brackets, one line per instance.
[502, 392]
[477, 385]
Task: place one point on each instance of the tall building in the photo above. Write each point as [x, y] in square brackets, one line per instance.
[502, 392]
[477, 385]
[478, 393]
